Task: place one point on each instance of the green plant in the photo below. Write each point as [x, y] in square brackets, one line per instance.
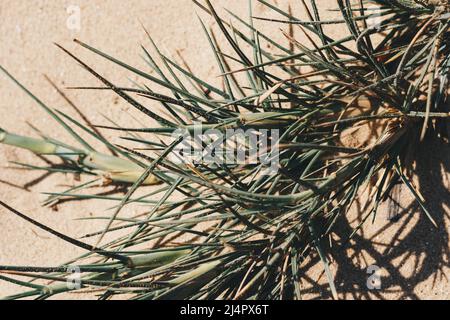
[252, 232]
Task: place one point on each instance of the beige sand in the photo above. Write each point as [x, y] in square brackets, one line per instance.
[412, 255]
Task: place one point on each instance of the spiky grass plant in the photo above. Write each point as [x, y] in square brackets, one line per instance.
[252, 232]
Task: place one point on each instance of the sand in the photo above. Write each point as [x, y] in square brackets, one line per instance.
[412, 255]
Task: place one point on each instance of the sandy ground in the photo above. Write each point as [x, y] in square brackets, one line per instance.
[412, 256]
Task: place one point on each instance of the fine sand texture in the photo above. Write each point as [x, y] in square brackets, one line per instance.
[411, 254]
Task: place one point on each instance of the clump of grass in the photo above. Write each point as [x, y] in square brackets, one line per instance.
[252, 232]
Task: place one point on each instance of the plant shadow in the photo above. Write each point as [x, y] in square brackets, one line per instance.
[408, 252]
